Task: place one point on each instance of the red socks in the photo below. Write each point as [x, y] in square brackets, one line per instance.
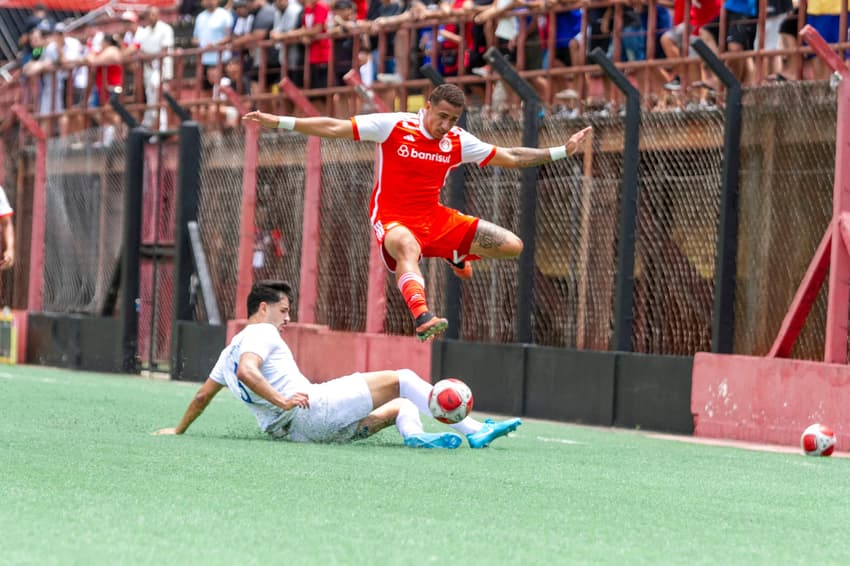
[412, 287]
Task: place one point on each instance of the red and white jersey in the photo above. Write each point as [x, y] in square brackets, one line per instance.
[412, 166]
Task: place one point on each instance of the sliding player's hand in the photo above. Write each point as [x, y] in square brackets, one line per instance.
[298, 400]
[165, 432]
[577, 140]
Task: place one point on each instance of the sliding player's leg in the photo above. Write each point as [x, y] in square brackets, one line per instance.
[405, 383]
[357, 406]
[404, 414]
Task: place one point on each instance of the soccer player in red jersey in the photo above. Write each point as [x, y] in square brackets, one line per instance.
[416, 154]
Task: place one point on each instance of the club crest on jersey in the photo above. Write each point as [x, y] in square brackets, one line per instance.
[446, 145]
[412, 153]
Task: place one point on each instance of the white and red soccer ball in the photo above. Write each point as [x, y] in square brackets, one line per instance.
[818, 440]
[450, 400]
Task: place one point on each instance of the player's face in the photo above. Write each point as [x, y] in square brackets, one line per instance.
[278, 313]
[441, 118]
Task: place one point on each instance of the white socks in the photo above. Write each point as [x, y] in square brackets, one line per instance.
[414, 388]
[408, 422]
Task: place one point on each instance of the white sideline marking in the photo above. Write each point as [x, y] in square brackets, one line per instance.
[6, 375]
[559, 440]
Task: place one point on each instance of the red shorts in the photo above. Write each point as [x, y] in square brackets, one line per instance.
[442, 232]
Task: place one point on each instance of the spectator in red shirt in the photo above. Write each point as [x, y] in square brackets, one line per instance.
[314, 20]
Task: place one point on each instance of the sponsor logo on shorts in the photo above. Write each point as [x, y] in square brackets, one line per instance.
[412, 153]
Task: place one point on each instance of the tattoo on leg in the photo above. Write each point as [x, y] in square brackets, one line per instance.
[490, 236]
[362, 432]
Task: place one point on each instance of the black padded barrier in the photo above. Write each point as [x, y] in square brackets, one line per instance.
[74, 342]
[654, 392]
[494, 372]
[197, 349]
[53, 340]
[100, 344]
[618, 389]
[570, 385]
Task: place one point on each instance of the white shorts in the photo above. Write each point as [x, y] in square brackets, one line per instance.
[336, 408]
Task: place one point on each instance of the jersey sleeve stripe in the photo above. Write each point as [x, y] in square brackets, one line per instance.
[356, 131]
[487, 159]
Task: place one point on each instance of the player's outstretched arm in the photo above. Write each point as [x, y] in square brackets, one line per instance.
[531, 156]
[320, 126]
[202, 398]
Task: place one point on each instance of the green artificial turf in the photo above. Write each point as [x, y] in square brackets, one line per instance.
[83, 481]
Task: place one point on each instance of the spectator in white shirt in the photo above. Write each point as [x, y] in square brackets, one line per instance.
[154, 38]
[288, 18]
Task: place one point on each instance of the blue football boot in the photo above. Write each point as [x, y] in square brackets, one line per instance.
[491, 431]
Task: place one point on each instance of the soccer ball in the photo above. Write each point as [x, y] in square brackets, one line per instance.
[818, 440]
[450, 400]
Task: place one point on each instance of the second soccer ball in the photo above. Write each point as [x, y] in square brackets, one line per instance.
[450, 400]
[817, 440]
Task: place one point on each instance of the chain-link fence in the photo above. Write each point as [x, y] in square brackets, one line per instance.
[83, 224]
[787, 169]
[787, 175]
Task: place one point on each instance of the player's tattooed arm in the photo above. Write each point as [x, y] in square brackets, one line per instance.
[520, 157]
[530, 157]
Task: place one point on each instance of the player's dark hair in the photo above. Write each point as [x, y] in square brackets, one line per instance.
[268, 291]
[450, 93]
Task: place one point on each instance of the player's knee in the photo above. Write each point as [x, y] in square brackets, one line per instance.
[405, 374]
[513, 247]
[401, 245]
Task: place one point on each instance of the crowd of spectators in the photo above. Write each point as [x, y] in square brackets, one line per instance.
[248, 45]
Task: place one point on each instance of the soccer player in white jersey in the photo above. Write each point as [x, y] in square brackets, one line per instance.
[258, 368]
[416, 154]
[7, 232]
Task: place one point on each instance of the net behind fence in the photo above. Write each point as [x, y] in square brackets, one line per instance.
[676, 247]
[489, 299]
[787, 174]
[219, 209]
[576, 235]
[280, 208]
[346, 236]
[85, 201]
